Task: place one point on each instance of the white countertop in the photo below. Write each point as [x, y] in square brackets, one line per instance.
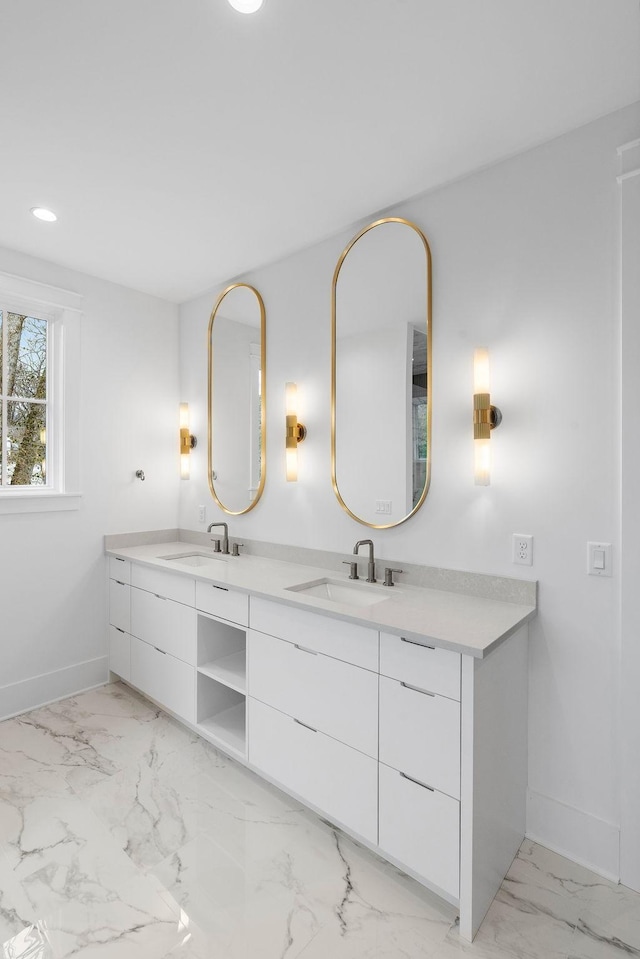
[466, 624]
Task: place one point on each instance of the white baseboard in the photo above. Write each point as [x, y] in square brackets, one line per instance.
[589, 841]
[38, 691]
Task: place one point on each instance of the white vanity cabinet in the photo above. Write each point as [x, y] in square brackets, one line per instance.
[418, 751]
[163, 631]
[313, 717]
[120, 616]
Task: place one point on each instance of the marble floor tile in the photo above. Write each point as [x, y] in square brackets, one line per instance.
[124, 834]
[595, 939]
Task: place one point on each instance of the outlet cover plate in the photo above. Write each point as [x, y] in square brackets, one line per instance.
[522, 549]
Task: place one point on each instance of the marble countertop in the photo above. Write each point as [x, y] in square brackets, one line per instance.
[467, 624]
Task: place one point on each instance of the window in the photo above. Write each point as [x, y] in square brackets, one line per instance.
[24, 406]
[39, 401]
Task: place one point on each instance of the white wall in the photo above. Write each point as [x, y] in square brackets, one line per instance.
[525, 259]
[52, 566]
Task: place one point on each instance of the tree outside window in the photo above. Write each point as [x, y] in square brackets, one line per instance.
[23, 400]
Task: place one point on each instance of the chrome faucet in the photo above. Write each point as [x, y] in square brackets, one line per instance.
[371, 568]
[225, 538]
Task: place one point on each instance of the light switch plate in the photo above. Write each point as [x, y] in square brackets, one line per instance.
[599, 559]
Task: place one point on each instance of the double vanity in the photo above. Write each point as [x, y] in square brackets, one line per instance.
[398, 713]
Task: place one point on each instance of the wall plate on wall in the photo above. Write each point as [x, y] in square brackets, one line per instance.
[599, 559]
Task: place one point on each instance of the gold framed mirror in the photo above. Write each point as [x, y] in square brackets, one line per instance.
[236, 447]
[381, 358]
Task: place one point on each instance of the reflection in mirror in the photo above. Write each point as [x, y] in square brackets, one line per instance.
[237, 425]
[381, 373]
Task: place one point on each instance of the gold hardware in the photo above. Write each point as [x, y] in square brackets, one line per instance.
[485, 418]
[211, 473]
[334, 477]
[187, 441]
[295, 432]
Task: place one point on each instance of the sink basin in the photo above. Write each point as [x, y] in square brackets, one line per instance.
[337, 591]
[202, 560]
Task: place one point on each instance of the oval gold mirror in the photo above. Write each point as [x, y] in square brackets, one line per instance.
[236, 399]
[381, 373]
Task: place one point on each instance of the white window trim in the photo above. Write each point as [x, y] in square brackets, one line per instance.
[62, 309]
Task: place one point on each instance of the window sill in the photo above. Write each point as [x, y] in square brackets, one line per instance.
[40, 502]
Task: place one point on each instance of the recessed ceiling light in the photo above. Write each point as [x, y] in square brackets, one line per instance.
[246, 6]
[43, 214]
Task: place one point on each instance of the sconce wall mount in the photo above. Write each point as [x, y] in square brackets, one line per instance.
[485, 417]
[295, 432]
[188, 442]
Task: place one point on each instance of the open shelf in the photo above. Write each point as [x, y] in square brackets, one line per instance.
[228, 729]
[229, 670]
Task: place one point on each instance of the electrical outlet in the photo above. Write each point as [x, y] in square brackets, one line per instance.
[522, 549]
[202, 514]
[383, 506]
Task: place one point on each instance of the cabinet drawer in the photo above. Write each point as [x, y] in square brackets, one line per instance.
[338, 699]
[167, 680]
[420, 828]
[120, 652]
[436, 670]
[120, 605]
[420, 735]
[170, 585]
[223, 602]
[120, 569]
[161, 622]
[346, 641]
[338, 780]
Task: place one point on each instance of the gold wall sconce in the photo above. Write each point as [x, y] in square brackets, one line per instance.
[187, 441]
[485, 417]
[296, 432]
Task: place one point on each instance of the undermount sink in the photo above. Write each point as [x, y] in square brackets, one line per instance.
[336, 591]
[193, 559]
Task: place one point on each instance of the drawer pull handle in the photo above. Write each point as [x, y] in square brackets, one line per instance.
[414, 642]
[119, 630]
[118, 559]
[303, 650]
[120, 583]
[158, 596]
[417, 782]
[224, 589]
[416, 690]
[305, 725]
[163, 651]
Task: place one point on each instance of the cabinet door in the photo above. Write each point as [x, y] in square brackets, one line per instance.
[334, 778]
[167, 680]
[120, 568]
[420, 829]
[324, 634]
[119, 605]
[334, 697]
[120, 652]
[436, 670]
[181, 589]
[161, 622]
[223, 602]
[420, 735]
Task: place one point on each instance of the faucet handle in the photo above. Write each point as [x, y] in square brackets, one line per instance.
[216, 545]
[235, 548]
[388, 575]
[353, 569]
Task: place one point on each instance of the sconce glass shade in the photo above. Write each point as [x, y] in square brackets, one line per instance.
[246, 6]
[482, 464]
[295, 434]
[481, 379]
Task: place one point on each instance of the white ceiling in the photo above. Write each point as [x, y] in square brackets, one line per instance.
[182, 143]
